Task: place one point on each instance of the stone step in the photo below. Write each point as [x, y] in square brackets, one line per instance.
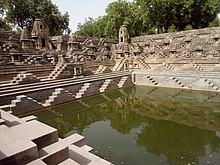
[2, 121]
[82, 156]
[87, 148]
[28, 118]
[41, 134]
[105, 85]
[122, 81]
[69, 162]
[37, 162]
[82, 90]
[53, 96]
[59, 151]
[13, 151]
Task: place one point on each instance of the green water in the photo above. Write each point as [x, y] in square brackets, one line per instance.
[145, 125]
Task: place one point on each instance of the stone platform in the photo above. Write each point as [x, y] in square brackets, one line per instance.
[28, 141]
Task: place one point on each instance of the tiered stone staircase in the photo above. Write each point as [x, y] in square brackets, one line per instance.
[52, 97]
[17, 107]
[177, 81]
[213, 86]
[122, 81]
[105, 85]
[172, 82]
[119, 64]
[57, 71]
[152, 80]
[63, 97]
[102, 41]
[23, 78]
[30, 60]
[144, 64]
[82, 90]
[100, 69]
[168, 66]
[197, 67]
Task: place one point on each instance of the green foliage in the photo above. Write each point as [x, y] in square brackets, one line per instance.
[150, 16]
[88, 28]
[23, 13]
[4, 25]
[215, 23]
[203, 12]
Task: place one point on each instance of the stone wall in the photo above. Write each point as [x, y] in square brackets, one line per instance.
[207, 81]
[193, 46]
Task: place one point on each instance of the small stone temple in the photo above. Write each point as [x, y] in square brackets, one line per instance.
[40, 35]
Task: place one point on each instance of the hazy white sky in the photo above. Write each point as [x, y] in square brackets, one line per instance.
[81, 9]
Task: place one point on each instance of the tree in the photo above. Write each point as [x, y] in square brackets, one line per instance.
[118, 13]
[203, 12]
[87, 29]
[4, 25]
[23, 13]
[162, 14]
[148, 16]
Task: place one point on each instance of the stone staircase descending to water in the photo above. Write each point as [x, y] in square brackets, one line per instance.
[58, 96]
[57, 71]
[119, 64]
[197, 67]
[100, 69]
[149, 78]
[105, 85]
[23, 78]
[17, 105]
[213, 86]
[122, 81]
[144, 64]
[177, 81]
[82, 90]
[168, 66]
[30, 59]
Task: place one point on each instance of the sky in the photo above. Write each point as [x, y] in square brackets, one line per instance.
[81, 9]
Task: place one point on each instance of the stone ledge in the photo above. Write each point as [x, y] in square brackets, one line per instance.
[13, 151]
[37, 162]
[59, 151]
[69, 162]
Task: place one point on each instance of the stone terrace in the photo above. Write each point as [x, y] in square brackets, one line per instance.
[28, 141]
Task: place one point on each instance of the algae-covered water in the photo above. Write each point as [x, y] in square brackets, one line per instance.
[145, 125]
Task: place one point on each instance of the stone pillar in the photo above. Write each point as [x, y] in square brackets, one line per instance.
[12, 59]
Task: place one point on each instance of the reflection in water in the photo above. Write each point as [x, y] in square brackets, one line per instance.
[145, 125]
